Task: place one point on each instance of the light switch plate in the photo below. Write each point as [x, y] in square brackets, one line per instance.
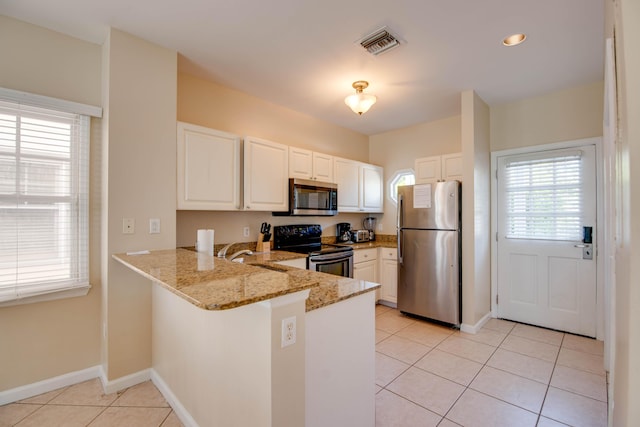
[154, 225]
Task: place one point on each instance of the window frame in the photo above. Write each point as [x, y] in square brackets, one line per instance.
[80, 184]
[392, 183]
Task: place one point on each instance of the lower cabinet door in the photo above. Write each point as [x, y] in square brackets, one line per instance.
[366, 270]
[389, 280]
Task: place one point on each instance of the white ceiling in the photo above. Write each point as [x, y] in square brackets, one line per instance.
[303, 55]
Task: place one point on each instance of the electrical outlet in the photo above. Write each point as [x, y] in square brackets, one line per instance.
[128, 226]
[245, 231]
[154, 226]
[288, 331]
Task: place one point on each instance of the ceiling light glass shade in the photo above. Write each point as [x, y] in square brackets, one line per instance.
[360, 102]
[514, 39]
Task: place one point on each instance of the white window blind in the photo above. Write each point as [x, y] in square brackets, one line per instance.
[44, 157]
[544, 197]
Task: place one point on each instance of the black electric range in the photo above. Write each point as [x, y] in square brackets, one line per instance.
[304, 239]
[307, 239]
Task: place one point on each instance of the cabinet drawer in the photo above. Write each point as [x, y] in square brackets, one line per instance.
[362, 255]
[389, 253]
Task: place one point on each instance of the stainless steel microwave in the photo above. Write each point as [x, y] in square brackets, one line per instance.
[308, 197]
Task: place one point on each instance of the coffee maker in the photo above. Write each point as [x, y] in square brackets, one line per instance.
[343, 232]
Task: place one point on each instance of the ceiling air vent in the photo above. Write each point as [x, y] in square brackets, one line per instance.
[379, 41]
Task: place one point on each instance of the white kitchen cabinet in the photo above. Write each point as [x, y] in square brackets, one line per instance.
[389, 275]
[360, 186]
[208, 168]
[365, 264]
[266, 181]
[347, 174]
[371, 178]
[428, 169]
[438, 168]
[452, 167]
[307, 164]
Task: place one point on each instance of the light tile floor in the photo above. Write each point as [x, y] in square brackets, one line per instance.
[85, 404]
[507, 374]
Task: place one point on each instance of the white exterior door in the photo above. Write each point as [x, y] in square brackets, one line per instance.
[545, 200]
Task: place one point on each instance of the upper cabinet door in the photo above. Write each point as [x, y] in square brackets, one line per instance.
[307, 164]
[447, 167]
[360, 186]
[300, 163]
[372, 188]
[428, 170]
[208, 168]
[347, 176]
[323, 167]
[266, 177]
[452, 167]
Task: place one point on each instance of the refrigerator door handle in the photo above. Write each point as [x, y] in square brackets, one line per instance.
[400, 209]
[399, 220]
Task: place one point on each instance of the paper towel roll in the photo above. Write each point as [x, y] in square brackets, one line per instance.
[204, 242]
[205, 262]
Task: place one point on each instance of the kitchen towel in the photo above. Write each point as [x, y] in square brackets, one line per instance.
[204, 242]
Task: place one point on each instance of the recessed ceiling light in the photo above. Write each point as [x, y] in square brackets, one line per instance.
[514, 39]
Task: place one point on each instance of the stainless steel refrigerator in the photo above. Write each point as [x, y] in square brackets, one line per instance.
[429, 251]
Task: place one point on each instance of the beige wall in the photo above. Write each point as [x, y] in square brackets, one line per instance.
[626, 411]
[476, 210]
[208, 104]
[559, 116]
[44, 340]
[398, 149]
[140, 175]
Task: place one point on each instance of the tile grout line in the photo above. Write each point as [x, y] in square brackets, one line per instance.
[476, 376]
[467, 387]
[550, 379]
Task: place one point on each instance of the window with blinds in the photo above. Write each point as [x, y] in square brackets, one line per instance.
[44, 190]
[544, 197]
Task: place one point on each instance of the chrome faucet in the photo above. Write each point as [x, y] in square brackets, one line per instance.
[222, 253]
[242, 252]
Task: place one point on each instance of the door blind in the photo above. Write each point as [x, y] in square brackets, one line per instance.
[543, 197]
[43, 201]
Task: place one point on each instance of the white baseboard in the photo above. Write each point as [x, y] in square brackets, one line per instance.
[387, 303]
[184, 415]
[44, 386]
[124, 382]
[473, 329]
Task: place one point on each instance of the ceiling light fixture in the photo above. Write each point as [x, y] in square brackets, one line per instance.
[514, 39]
[360, 102]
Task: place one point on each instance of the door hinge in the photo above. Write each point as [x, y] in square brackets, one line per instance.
[496, 173]
[496, 299]
[496, 236]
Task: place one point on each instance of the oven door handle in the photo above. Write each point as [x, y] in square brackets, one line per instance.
[330, 257]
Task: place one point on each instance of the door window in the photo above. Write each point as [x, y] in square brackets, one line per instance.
[543, 197]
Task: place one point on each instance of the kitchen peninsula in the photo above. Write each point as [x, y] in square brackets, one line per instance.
[219, 349]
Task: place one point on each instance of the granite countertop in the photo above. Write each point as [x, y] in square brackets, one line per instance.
[374, 244]
[213, 283]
